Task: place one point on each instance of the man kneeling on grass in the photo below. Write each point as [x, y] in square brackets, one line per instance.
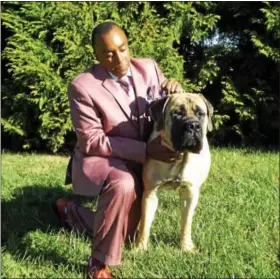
[109, 113]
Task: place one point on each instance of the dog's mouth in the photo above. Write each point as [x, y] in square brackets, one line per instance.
[186, 135]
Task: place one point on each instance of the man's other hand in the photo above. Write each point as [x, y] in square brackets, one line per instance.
[171, 86]
[159, 152]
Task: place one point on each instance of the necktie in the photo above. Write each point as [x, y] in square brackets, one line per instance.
[127, 85]
[124, 84]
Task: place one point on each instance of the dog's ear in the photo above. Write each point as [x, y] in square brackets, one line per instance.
[156, 109]
[210, 111]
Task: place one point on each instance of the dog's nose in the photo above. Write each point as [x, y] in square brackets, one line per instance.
[193, 125]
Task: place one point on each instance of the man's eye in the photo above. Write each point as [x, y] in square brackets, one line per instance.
[123, 49]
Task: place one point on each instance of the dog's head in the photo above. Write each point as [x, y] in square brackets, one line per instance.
[183, 120]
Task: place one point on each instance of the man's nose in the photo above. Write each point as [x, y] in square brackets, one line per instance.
[119, 57]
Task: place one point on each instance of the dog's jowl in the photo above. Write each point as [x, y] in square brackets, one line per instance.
[182, 121]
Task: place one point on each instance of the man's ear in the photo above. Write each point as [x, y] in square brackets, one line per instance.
[210, 111]
[156, 110]
[96, 56]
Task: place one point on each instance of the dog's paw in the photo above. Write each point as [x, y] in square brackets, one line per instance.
[193, 250]
[140, 246]
[137, 249]
[190, 249]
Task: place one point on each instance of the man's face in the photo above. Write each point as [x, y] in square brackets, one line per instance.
[112, 51]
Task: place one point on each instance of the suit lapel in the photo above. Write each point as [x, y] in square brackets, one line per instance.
[140, 90]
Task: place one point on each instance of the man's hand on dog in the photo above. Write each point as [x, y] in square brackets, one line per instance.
[171, 86]
[159, 152]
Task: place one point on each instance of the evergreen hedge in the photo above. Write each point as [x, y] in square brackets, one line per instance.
[48, 43]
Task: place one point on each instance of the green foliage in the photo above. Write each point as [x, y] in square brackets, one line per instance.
[197, 43]
[246, 50]
[195, 21]
[272, 22]
[244, 105]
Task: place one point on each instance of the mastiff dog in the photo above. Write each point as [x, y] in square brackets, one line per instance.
[182, 121]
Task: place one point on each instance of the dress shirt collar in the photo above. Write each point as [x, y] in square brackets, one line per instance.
[115, 78]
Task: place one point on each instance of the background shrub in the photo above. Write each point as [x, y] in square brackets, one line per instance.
[228, 51]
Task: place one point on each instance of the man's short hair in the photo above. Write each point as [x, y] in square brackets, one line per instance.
[100, 29]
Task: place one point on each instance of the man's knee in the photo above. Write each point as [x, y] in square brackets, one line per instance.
[123, 182]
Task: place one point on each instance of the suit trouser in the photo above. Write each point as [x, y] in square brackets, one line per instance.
[117, 216]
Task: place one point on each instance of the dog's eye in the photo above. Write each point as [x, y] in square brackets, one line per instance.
[200, 114]
[178, 112]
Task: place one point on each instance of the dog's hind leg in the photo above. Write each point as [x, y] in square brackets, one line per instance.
[149, 206]
[188, 199]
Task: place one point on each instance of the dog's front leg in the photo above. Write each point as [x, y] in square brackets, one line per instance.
[188, 199]
[149, 206]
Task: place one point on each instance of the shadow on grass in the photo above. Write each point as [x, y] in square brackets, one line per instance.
[30, 209]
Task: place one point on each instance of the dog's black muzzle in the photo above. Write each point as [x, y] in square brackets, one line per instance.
[186, 134]
[192, 128]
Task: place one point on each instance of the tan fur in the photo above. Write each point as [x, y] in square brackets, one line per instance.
[186, 175]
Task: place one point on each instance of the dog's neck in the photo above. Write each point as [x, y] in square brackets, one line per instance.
[165, 143]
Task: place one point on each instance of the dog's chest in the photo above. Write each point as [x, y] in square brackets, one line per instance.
[190, 172]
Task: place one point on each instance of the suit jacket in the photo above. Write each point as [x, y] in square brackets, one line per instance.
[107, 135]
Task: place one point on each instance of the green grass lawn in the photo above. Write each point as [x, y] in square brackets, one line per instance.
[236, 224]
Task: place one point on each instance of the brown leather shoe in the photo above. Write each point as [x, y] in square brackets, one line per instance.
[96, 269]
[59, 208]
